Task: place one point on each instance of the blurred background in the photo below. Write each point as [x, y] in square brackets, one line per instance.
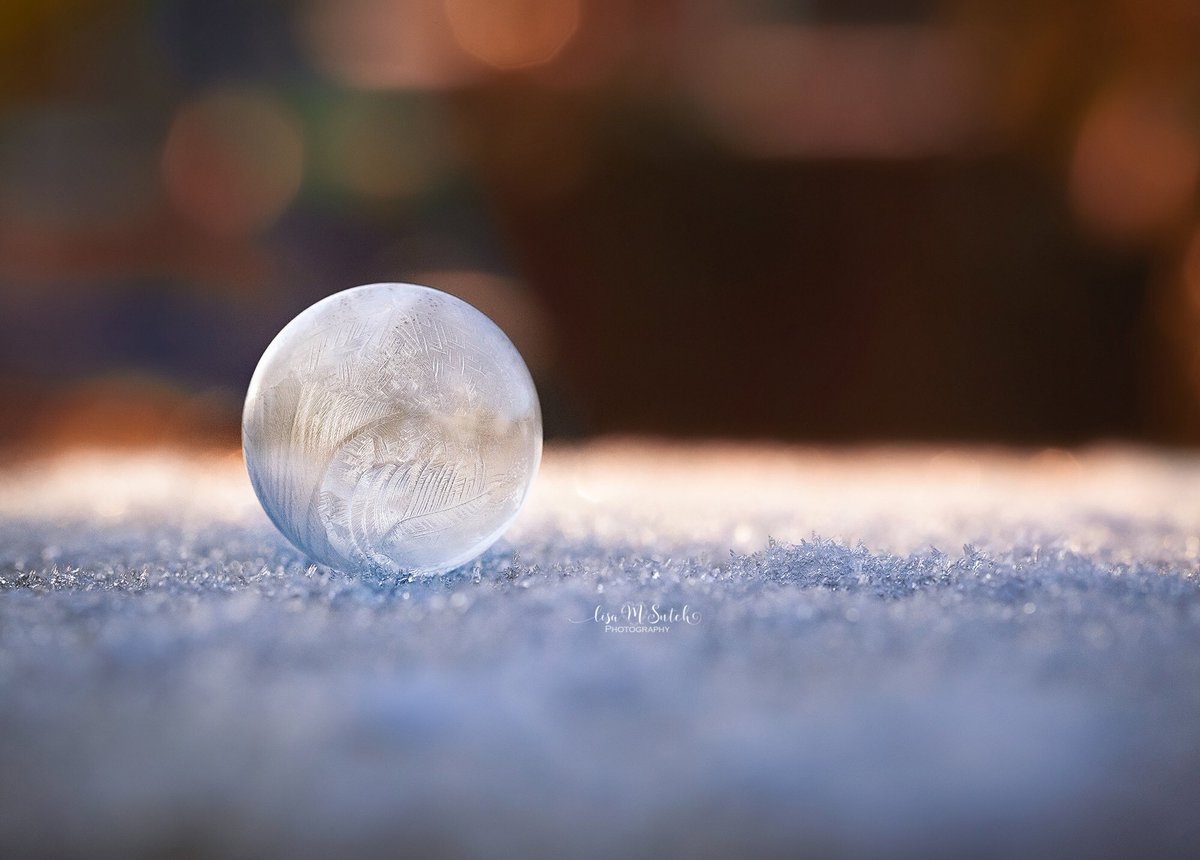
[812, 220]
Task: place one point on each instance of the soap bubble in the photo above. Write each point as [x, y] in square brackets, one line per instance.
[393, 428]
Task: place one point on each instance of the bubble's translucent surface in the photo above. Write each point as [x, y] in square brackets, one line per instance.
[394, 427]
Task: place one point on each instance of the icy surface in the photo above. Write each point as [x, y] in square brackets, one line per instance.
[392, 427]
[841, 675]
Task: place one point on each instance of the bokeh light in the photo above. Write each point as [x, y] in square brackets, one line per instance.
[836, 91]
[384, 44]
[990, 201]
[135, 411]
[233, 160]
[1135, 163]
[514, 33]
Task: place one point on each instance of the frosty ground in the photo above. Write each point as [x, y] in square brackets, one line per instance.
[867, 653]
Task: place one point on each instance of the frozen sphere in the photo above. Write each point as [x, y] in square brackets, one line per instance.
[392, 428]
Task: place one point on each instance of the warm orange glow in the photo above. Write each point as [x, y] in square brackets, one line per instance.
[385, 44]
[233, 160]
[513, 33]
[871, 91]
[131, 411]
[1135, 164]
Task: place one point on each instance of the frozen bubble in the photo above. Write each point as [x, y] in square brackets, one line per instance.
[392, 427]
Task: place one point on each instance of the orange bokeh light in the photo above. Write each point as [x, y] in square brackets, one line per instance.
[1135, 164]
[880, 91]
[385, 44]
[510, 34]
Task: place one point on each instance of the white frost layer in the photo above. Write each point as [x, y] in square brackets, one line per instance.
[175, 678]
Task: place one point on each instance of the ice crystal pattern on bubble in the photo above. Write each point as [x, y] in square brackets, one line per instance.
[392, 427]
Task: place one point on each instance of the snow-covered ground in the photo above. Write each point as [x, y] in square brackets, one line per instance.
[861, 652]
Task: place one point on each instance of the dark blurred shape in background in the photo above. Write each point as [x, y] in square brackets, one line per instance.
[808, 220]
